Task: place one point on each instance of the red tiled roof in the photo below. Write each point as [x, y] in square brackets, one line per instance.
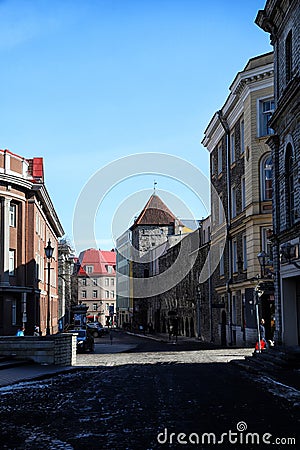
[99, 259]
[155, 212]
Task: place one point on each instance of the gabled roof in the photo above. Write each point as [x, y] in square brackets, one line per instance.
[155, 212]
[99, 259]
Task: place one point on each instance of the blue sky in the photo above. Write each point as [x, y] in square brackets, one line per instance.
[85, 82]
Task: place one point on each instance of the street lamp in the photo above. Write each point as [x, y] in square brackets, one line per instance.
[262, 257]
[288, 251]
[48, 253]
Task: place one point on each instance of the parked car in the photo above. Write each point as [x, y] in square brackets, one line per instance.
[85, 342]
[96, 329]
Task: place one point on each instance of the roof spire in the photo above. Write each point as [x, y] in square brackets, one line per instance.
[154, 187]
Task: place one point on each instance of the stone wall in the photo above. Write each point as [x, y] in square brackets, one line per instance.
[59, 349]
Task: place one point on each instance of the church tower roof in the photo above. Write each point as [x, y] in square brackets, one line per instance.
[155, 212]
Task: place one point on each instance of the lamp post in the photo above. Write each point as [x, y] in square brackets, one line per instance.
[48, 253]
[262, 257]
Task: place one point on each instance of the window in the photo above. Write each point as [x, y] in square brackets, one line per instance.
[107, 306]
[106, 294]
[94, 282]
[220, 159]
[221, 256]
[95, 294]
[242, 136]
[11, 270]
[109, 269]
[266, 109]
[221, 210]
[95, 306]
[89, 269]
[234, 256]
[106, 281]
[290, 184]
[243, 188]
[112, 281]
[266, 177]
[232, 148]
[112, 294]
[233, 201]
[14, 312]
[288, 57]
[12, 215]
[244, 252]
[266, 244]
[213, 165]
[83, 294]
[83, 282]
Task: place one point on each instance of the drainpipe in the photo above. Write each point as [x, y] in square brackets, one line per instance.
[225, 126]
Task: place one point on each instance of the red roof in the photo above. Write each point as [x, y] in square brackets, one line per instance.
[155, 212]
[99, 259]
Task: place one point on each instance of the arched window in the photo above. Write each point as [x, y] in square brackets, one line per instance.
[288, 57]
[290, 184]
[266, 177]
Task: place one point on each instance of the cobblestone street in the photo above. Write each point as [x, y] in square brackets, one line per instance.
[136, 400]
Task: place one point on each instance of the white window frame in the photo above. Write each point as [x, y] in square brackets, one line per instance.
[95, 293]
[263, 191]
[83, 294]
[264, 116]
[12, 215]
[11, 262]
[89, 269]
[95, 306]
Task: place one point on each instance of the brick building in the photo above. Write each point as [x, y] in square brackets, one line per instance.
[28, 222]
[280, 18]
[95, 278]
[241, 204]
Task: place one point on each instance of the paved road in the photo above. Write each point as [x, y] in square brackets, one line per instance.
[137, 400]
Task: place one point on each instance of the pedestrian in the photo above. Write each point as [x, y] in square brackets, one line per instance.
[20, 331]
[262, 331]
[111, 337]
[36, 331]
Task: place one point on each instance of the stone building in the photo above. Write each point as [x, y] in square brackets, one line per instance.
[241, 204]
[96, 274]
[124, 300]
[280, 18]
[28, 222]
[66, 261]
[151, 228]
[185, 304]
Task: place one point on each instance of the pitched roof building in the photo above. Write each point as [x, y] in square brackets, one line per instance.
[28, 222]
[96, 284]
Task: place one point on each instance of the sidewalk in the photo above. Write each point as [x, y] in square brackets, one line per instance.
[29, 372]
